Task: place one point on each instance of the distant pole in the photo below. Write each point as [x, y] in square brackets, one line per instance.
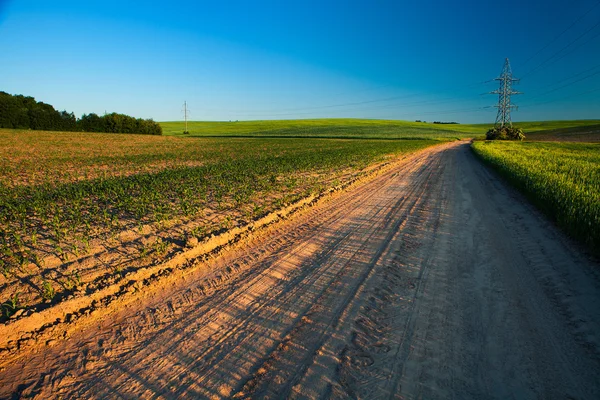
[504, 92]
[185, 116]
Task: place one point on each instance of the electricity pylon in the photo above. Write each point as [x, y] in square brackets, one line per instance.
[504, 92]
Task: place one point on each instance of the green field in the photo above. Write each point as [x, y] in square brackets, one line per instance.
[553, 126]
[328, 128]
[582, 133]
[561, 179]
[355, 128]
[77, 209]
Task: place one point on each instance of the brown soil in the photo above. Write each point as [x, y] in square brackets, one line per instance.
[109, 258]
[430, 280]
[590, 134]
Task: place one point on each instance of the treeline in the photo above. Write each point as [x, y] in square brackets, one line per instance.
[118, 123]
[438, 122]
[23, 112]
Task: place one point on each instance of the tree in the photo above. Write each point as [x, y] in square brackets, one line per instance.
[21, 112]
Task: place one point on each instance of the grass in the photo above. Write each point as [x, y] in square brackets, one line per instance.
[551, 126]
[561, 179]
[326, 128]
[583, 133]
[79, 208]
[356, 128]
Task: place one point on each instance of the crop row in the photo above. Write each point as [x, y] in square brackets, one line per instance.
[46, 225]
[562, 179]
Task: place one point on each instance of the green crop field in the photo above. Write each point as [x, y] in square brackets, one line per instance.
[588, 132]
[358, 128]
[550, 126]
[562, 179]
[330, 128]
[79, 208]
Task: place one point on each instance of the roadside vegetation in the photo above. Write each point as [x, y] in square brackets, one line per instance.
[79, 209]
[505, 133]
[561, 179]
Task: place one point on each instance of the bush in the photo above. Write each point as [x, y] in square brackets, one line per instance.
[505, 133]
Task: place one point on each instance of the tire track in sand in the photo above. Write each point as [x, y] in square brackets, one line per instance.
[399, 287]
[293, 359]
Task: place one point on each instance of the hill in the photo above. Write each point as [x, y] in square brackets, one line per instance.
[367, 129]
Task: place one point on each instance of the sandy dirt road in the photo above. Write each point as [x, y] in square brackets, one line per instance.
[432, 280]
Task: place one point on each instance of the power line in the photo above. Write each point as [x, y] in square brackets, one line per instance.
[563, 98]
[561, 33]
[362, 109]
[568, 84]
[456, 111]
[440, 112]
[539, 66]
[292, 111]
[577, 74]
[576, 48]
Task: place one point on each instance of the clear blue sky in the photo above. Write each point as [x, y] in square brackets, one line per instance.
[239, 60]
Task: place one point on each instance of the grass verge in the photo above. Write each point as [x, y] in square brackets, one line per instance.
[561, 179]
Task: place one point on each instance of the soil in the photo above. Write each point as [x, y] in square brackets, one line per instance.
[433, 279]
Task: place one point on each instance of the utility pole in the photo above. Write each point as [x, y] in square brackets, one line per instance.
[185, 116]
[504, 92]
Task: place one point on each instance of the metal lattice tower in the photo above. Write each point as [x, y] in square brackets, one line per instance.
[504, 92]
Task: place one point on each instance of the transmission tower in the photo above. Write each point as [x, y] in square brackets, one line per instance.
[186, 113]
[504, 92]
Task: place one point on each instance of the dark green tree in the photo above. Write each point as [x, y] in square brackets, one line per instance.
[21, 112]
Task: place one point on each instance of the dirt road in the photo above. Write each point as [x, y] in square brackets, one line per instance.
[433, 280]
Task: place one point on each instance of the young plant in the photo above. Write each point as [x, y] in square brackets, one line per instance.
[73, 280]
[6, 269]
[47, 290]
[160, 246]
[11, 306]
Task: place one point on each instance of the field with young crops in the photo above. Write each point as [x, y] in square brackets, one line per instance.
[562, 179]
[78, 210]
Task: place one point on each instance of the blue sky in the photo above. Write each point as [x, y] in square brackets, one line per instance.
[240, 60]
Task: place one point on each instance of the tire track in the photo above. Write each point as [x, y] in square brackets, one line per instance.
[290, 362]
[297, 285]
[398, 288]
[303, 314]
[163, 334]
[375, 351]
[249, 283]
